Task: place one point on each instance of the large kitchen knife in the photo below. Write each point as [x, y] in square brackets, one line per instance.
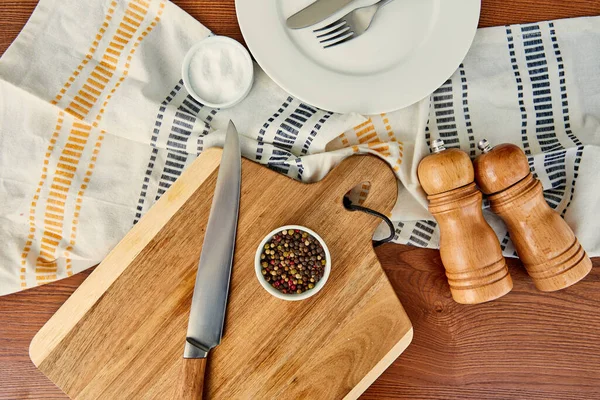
[314, 13]
[207, 313]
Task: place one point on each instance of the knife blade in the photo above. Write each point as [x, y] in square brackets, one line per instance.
[315, 12]
[209, 301]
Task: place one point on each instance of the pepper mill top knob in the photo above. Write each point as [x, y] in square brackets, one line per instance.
[484, 145]
[445, 169]
[499, 167]
[437, 146]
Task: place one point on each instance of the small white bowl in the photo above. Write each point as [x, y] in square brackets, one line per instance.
[226, 41]
[292, 296]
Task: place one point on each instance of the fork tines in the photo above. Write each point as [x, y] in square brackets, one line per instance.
[335, 33]
[331, 25]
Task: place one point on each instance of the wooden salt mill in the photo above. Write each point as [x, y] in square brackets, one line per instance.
[544, 242]
[469, 248]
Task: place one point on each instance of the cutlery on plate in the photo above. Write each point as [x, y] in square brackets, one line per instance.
[209, 301]
[315, 13]
[350, 26]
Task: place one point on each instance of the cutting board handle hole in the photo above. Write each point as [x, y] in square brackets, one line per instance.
[359, 193]
[353, 201]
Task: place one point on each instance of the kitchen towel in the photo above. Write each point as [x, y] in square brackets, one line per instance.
[95, 125]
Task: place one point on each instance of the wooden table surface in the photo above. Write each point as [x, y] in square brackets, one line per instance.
[526, 345]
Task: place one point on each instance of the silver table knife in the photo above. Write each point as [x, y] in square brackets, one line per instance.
[207, 313]
[316, 12]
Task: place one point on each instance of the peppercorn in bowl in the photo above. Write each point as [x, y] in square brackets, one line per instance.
[292, 263]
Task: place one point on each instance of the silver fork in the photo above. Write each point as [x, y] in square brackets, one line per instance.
[350, 26]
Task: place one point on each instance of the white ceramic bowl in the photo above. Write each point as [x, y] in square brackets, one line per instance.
[292, 296]
[185, 70]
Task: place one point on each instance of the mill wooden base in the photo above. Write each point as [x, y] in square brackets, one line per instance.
[475, 267]
[121, 334]
[544, 242]
[469, 248]
[564, 271]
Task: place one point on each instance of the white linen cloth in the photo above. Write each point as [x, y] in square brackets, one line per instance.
[95, 125]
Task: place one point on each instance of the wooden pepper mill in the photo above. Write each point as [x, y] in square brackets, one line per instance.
[544, 242]
[469, 248]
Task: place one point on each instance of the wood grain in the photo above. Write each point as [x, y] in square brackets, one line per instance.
[469, 248]
[546, 245]
[121, 335]
[219, 15]
[459, 352]
[525, 345]
[192, 379]
[522, 346]
[544, 241]
[122, 256]
[445, 170]
[500, 168]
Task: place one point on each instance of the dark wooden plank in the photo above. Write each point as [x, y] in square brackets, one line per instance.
[21, 316]
[504, 12]
[219, 15]
[525, 345]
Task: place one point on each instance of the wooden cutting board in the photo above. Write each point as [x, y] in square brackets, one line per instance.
[121, 334]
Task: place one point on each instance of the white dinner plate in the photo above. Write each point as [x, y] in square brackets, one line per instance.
[412, 47]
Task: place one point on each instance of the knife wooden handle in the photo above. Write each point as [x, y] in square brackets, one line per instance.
[192, 379]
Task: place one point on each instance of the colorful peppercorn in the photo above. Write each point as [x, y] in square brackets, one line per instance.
[293, 261]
